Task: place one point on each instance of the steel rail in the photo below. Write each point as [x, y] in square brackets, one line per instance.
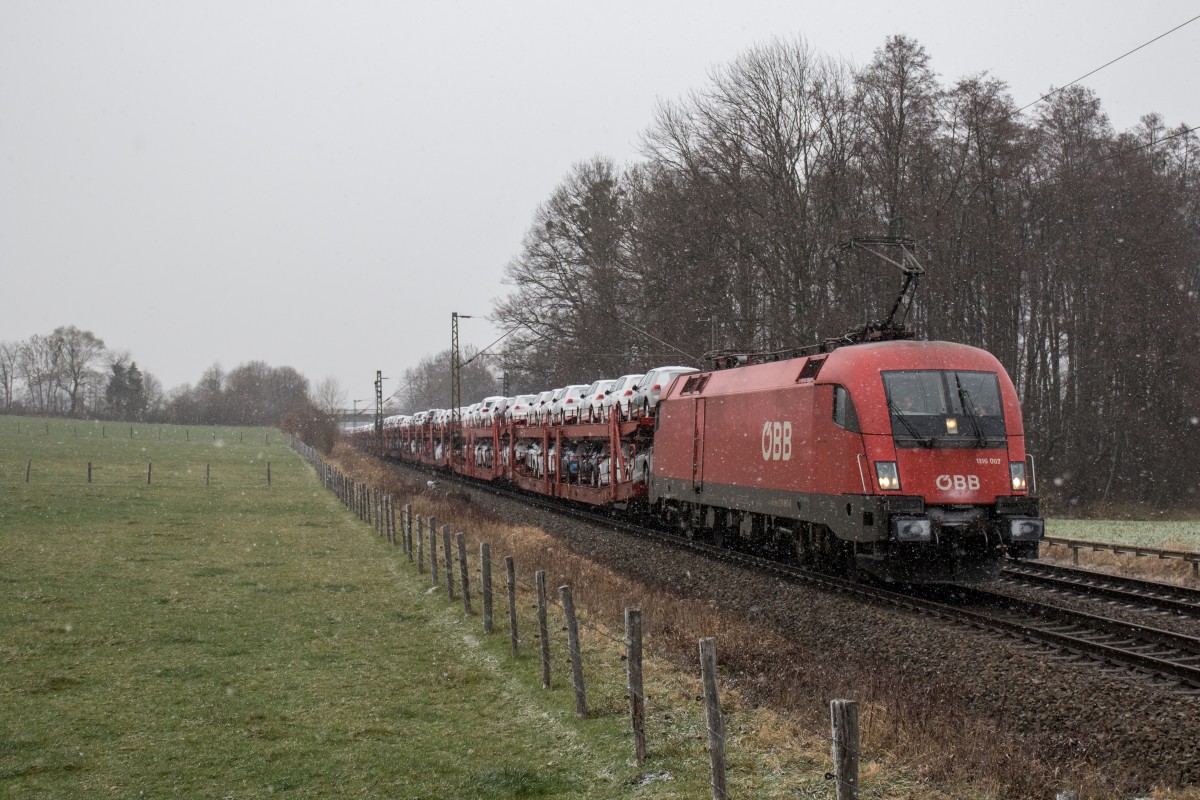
[1149, 649]
[1115, 642]
[1168, 597]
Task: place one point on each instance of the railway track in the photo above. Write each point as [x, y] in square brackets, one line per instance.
[1170, 660]
[1162, 596]
[1171, 657]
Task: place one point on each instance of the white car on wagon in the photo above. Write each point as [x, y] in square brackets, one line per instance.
[569, 404]
[620, 396]
[657, 381]
[594, 397]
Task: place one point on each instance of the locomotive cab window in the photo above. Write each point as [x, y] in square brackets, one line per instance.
[844, 415]
[945, 408]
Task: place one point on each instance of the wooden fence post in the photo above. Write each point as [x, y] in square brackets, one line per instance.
[564, 593]
[391, 520]
[637, 697]
[712, 712]
[89, 472]
[28, 467]
[844, 715]
[433, 562]
[485, 569]
[447, 560]
[268, 473]
[385, 517]
[207, 473]
[543, 627]
[510, 577]
[420, 545]
[149, 471]
[401, 534]
[408, 529]
[461, 541]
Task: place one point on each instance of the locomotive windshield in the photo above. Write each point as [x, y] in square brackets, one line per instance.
[945, 408]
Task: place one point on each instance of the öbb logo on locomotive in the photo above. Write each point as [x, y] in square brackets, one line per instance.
[959, 483]
[776, 441]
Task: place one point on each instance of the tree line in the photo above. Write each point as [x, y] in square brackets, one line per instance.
[1069, 250]
[70, 372]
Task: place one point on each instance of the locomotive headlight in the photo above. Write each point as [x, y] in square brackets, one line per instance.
[887, 475]
[912, 529]
[951, 425]
[1016, 471]
[1026, 529]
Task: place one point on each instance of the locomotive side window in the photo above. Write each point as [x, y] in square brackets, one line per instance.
[695, 384]
[844, 415]
[945, 408]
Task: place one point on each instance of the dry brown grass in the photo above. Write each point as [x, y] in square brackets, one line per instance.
[1164, 570]
[916, 739]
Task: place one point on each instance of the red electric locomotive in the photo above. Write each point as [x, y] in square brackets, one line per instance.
[903, 459]
[874, 452]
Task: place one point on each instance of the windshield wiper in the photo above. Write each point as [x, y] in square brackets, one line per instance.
[968, 405]
[898, 414]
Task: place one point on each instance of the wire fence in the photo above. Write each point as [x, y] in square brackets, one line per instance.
[450, 565]
[422, 536]
[110, 474]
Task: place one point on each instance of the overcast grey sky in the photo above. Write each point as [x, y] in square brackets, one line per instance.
[319, 184]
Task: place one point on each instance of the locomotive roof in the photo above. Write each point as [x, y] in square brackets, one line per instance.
[848, 365]
[912, 354]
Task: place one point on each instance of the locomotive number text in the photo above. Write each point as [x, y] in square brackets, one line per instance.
[777, 441]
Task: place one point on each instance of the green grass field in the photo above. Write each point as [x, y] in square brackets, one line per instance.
[1168, 534]
[220, 637]
[238, 639]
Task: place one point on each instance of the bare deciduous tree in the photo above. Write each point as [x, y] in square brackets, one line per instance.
[81, 354]
[1069, 251]
[329, 397]
[427, 385]
[9, 354]
[39, 363]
